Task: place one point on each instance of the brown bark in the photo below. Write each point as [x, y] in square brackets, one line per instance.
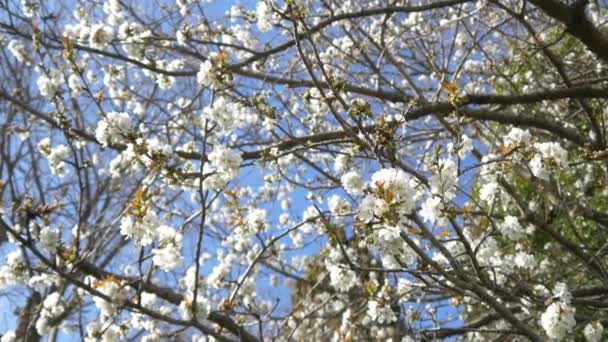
[26, 330]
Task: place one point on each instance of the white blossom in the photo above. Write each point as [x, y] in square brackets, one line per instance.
[444, 180]
[187, 305]
[550, 156]
[342, 279]
[75, 84]
[340, 276]
[183, 35]
[263, 12]
[30, 7]
[209, 76]
[49, 239]
[142, 230]
[228, 115]
[19, 52]
[14, 270]
[338, 206]
[9, 336]
[115, 293]
[395, 187]
[168, 255]
[511, 228]
[524, 260]
[52, 306]
[593, 331]
[256, 220]
[558, 319]
[381, 313]
[431, 210]
[113, 128]
[42, 281]
[225, 160]
[518, 136]
[49, 85]
[488, 192]
[341, 163]
[100, 36]
[55, 156]
[97, 332]
[352, 182]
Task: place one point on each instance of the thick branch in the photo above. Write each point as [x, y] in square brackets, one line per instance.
[577, 24]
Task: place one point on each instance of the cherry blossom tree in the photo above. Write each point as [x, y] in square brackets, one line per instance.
[309, 170]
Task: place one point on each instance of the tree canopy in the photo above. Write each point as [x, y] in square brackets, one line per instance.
[304, 170]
